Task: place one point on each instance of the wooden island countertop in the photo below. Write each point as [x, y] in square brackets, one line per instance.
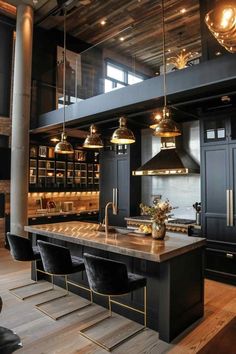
[142, 247]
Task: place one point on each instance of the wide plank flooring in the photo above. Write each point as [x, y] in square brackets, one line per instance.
[42, 335]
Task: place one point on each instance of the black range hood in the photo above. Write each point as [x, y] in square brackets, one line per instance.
[169, 161]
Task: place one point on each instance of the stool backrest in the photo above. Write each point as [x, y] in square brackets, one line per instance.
[56, 259]
[106, 276]
[21, 248]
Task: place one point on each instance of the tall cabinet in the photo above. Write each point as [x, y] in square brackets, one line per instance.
[116, 178]
[219, 197]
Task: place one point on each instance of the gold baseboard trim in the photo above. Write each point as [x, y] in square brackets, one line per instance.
[110, 302]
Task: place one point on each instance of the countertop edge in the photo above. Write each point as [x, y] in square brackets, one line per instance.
[117, 249]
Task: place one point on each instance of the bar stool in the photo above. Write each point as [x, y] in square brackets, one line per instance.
[22, 251]
[57, 261]
[9, 341]
[111, 278]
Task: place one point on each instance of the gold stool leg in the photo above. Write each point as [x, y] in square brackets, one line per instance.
[145, 305]
[134, 333]
[26, 296]
[67, 293]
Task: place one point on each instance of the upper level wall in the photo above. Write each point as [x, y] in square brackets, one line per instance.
[6, 45]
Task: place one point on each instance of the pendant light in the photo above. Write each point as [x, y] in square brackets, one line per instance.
[64, 147]
[221, 21]
[122, 135]
[93, 140]
[167, 126]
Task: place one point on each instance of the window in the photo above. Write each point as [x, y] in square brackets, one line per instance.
[118, 76]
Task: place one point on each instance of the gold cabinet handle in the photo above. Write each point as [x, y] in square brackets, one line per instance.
[227, 208]
[231, 206]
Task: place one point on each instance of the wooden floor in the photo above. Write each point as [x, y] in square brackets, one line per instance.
[42, 335]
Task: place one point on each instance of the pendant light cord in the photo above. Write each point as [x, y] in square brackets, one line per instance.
[164, 49]
[64, 74]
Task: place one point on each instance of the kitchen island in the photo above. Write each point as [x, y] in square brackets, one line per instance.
[173, 268]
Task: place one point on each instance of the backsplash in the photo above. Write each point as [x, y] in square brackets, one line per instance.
[182, 191]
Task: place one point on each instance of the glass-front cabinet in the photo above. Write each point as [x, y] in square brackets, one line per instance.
[219, 129]
[33, 172]
[49, 171]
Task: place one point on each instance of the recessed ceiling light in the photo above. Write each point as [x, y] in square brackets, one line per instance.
[217, 53]
[182, 11]
[121, 39]
[169, 50]
[55, 139]
[103, 22]
[157, 73]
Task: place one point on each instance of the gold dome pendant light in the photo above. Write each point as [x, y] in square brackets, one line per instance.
[221, 21]
[167, 126]
[93, 140]
[64, 147]
[122, 135]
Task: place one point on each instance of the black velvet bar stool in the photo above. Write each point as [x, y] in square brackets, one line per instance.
[22, 251]
[9, 341]
[57, 261]
[111, 278]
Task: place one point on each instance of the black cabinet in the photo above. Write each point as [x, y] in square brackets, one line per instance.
[218, 180]
[221, 263]
[219, 129]
[218, 199]
[116, 178]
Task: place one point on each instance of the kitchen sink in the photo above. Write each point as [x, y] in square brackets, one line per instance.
[115, 229]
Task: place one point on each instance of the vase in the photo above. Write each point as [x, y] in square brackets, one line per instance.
[158, 230]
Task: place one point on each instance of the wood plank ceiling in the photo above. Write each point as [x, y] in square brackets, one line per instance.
[137, 21]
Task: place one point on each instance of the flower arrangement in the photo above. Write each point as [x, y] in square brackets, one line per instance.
[158, 212]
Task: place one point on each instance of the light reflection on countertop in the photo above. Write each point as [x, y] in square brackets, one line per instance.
[145, 247]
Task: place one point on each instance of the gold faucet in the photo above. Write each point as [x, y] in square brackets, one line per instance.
[114, 211]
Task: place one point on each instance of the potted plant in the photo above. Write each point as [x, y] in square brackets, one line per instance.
[159, 213]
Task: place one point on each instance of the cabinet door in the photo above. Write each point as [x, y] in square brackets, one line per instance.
[232, 187]
[114, 173]
[215, 182]
[123, 186]
[108, 179]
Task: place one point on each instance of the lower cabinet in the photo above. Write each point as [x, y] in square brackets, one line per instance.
[220, 263]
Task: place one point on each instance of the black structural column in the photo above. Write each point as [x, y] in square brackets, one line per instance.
[21, 119]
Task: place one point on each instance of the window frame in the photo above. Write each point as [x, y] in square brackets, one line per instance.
[126, 71]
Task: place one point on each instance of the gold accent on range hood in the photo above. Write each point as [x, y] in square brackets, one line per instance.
[170, 172]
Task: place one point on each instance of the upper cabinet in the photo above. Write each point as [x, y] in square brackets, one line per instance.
[218, 130]
[49, 171]
[117, 182]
